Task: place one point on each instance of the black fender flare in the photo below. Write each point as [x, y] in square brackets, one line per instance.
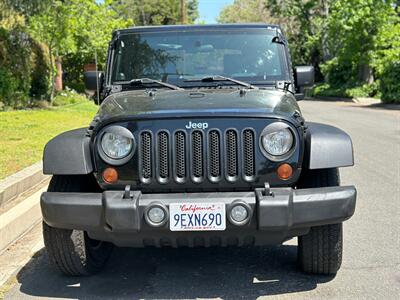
[327, 147]
[68, 154]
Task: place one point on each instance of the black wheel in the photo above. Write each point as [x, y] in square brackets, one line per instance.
[320, 251]
[73, 252]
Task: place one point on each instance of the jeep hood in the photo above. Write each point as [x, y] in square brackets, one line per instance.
[204, 102]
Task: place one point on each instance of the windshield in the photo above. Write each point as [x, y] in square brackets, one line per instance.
[176, 57]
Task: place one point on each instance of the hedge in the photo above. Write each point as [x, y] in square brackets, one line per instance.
[24, 71]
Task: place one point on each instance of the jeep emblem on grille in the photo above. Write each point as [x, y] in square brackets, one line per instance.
[196, 125]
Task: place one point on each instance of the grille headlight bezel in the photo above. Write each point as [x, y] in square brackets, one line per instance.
[116, 131]
[276, 127]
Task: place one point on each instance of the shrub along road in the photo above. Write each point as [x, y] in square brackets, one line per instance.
[371, 262]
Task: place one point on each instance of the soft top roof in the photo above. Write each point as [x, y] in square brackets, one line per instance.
[159, 28]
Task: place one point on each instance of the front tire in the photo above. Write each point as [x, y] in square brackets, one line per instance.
[320, 251]
[73, 252]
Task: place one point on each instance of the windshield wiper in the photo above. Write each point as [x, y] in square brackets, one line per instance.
[223, 78]
[144, 81]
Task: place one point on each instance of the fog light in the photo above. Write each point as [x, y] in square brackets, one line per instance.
[239, 213]
[156, 214]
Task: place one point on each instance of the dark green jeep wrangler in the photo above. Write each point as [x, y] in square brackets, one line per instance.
[198, 142]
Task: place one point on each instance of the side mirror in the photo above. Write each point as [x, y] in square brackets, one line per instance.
[93, 80]
[304, 77]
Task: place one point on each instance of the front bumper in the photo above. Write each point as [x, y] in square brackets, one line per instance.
[278, 214]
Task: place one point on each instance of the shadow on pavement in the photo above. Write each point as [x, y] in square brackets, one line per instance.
[381, 106]
[229, 273]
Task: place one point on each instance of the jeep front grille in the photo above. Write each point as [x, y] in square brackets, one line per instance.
[197, 156]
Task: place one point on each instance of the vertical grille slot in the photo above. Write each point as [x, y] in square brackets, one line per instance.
[163, 155]
[197, 155]
[145, 154]
[248, 153]
[214, 161]
[180, 155]
[231, 154]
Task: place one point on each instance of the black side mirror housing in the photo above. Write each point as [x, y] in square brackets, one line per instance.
[93, 79]
[304, 77]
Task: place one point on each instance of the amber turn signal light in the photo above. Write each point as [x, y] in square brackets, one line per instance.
[110, 175]
[284, 171]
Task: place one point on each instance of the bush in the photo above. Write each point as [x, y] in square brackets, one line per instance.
[358, 90]
[24, 72]
[40, 74]
[15, 67]
[390, 83]
[68, 97]
[8, 87]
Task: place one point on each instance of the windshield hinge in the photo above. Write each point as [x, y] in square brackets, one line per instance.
[284, 85]
[278, 38]
[116, 88]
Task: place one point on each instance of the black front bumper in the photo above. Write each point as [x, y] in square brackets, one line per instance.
[278, 214]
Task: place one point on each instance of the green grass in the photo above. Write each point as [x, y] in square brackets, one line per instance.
[23, 133]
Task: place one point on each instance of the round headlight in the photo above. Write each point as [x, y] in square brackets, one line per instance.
[116, 146]
[277, 139]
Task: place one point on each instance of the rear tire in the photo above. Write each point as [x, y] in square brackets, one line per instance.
[320, 251]
[73, 252]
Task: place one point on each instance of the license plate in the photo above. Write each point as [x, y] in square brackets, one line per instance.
[197, 216]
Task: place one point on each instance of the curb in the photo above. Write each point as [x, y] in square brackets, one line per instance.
[20, 219]
[358, 100]
[20, 182]
[20, 203]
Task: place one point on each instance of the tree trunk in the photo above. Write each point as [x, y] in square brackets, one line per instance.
[183, 12]
[59, 82]
[51, 74]
[365, 73]
[325, 45]
[144, 21]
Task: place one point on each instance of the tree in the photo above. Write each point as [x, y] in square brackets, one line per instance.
[246, 11]
[23, 65]
[75, 27]
[353, 30]
[302, 22]
[53, 27]
[155, 12]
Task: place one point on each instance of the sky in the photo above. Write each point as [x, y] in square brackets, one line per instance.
[210, 9]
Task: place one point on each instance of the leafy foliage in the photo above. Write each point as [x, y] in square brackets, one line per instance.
[156, 12]
[67, 97]
[20, 66]
[354, 45]
[246, 11]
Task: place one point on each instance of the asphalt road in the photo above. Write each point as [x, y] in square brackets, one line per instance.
[371, 262]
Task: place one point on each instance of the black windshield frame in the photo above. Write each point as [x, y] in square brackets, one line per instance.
[282, 51]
